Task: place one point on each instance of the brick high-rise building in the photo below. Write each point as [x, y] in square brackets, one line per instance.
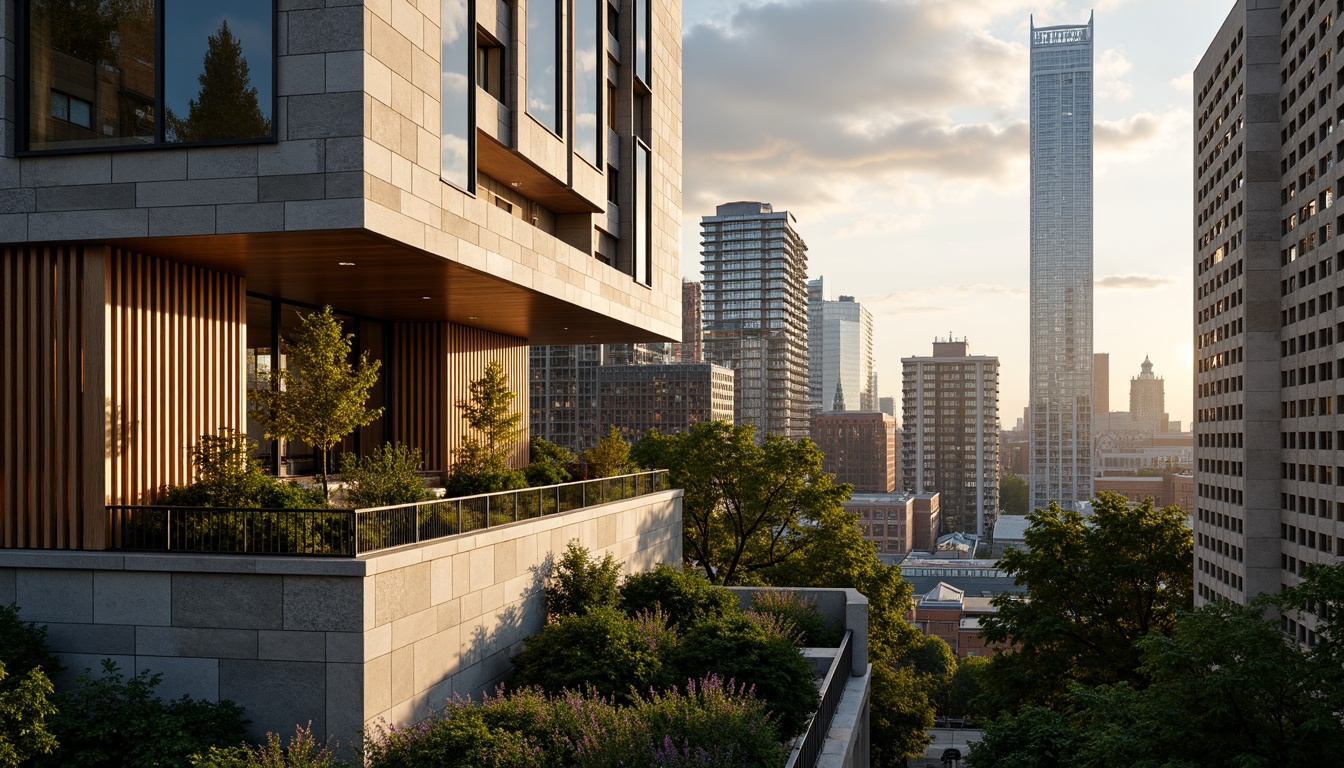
[860, 448]
[950, 442]
[691, 347]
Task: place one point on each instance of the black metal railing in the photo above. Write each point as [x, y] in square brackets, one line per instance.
[808, 747]
[351, 532]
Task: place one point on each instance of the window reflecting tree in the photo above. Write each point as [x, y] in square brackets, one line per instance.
[226, 106]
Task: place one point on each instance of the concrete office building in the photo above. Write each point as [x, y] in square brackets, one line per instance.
[887, 405]
[755, 296]
[1148, 399]
[840, 373]
[670, 397]
[457, 179]
[950, 439]
[691, 347]
[1267, 384]
[859, 449]
[1061, 265]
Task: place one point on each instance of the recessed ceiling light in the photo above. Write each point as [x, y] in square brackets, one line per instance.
[473, 317]
[516, 183]
[346, 263]
[426, 297]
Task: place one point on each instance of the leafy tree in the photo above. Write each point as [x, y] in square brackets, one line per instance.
[24, 708]
[932, 658]
[579, 583]
[746, 507]
[319, 397]
[549, 463]
[226, 106]
[1014, 496]
[610, 457]
[965, 688]
[482, 464]
[900, 717]
[1095, 587]
[1036, 737]
[600, 647]
[385, 477]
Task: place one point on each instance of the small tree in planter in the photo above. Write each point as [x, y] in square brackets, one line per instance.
[319, 396]
[482, 464]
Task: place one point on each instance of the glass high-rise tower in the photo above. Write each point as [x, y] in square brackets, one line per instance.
[1061, 264]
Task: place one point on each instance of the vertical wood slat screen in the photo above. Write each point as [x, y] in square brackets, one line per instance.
[49, 392]
[432, 366]
[175, 369]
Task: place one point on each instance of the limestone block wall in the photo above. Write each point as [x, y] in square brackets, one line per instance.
[333, 641]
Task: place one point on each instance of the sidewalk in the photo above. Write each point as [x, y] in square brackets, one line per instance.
[942, 738]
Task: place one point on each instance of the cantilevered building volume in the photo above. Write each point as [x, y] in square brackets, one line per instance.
[755, 291]
[1061, 264]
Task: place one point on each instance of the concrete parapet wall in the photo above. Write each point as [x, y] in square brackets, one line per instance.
[846, 608]
[332, 641]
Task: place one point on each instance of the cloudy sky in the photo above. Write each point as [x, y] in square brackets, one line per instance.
[896, 132]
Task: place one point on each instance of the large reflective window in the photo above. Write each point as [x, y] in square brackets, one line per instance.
[641, 270]
[642, 27]
[457, 131]
[543, 62]
[587, 78]
[217, 69]
[91, 73]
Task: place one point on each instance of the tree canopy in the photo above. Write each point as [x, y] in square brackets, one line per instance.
[1095, 586]
[319, 396]
[226, 106]
[1014, 496]
[610, 457]
[746, 506]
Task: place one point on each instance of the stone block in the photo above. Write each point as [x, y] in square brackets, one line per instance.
[6, 586]
[132, 597]
[234, 601]
[300, 74]
[308, 186]
[325, 115]
[403, 674]
[401, 592]
[149, 194]
[88, 225]
[291, 646]
[182, 220]
[345, 647]
[291, 157]
[13, 227]
[345, 184]
[109, 640]
[55, 171]
[179, 641]
[345, 71]
[327, 30]
[277, 695]
[49, 595]
[222, 162]
[377, 641]
[250, 217]
[377, 685]
[197, 678]
[345, 702]
[482, 568]
[345, 154]
[168, 165]
[323, 603]
[18, 200]
[324, 214]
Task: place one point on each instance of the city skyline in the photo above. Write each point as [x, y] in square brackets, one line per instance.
[884, 172]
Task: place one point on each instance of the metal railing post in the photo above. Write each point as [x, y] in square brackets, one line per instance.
[417, 522]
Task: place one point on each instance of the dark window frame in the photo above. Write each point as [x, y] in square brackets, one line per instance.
[23, 93]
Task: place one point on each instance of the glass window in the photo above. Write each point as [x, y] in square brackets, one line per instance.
[587, 78]
[642, 26]
[95, 79]
[457, 130]
[543, 62]
[217, 73]
[641, 270]
[91, 74]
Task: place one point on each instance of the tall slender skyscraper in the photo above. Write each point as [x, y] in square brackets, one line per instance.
[755, 298]
[839, 352]
[1061, 264]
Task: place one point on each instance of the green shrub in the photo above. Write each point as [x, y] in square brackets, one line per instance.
[459, 737]
[603, 648]
[228, 474]
[303, 751]
[119, 722]
[799, 612]
[23, 648]
[25, 705]
[463, 481]
[549, 463]
[686, 597]
[578, 583]
[385, 477]
[709, 724]
[738, 649]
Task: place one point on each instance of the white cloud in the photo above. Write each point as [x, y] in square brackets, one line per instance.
[1109, 70]
[1133, 282]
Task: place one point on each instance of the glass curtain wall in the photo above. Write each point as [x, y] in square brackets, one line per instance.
[458, 127]
[587, 79]
[543, 62]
